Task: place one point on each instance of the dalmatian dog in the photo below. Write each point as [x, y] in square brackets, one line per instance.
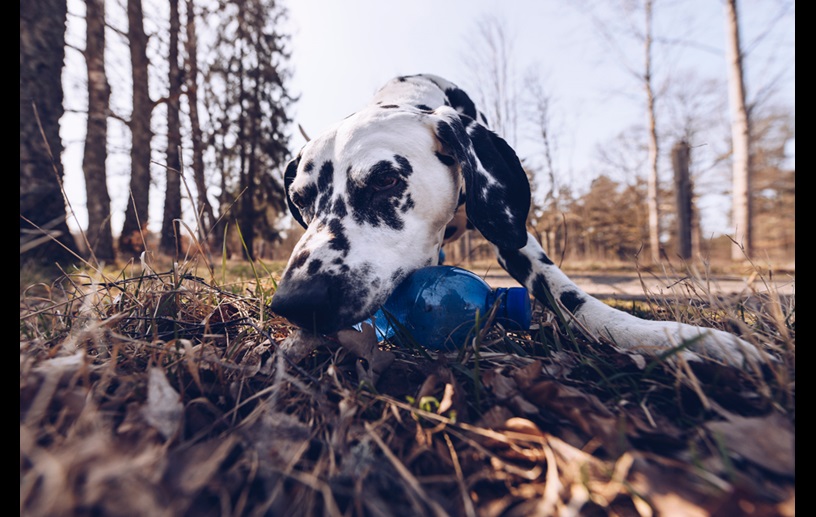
[380, 192]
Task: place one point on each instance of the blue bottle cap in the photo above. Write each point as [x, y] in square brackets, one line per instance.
[519, 309]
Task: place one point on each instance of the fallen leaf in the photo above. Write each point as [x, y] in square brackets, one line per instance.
[506, 391]
[766, 441]
[299, 344]
[189, 469]
[582, 409]
[163, 409]
[364, 345]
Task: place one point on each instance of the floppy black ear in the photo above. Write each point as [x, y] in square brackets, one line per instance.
[288, 177]
[497, 192]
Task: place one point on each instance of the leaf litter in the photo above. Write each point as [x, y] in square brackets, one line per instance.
[164, 394]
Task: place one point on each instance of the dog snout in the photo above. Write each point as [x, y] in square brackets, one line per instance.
[311, 303]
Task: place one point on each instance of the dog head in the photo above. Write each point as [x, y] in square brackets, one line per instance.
[376, 193]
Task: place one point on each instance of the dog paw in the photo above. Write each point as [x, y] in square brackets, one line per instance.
[656, 338]
[709, 343]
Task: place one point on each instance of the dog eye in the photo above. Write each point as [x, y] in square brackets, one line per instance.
[384, 183]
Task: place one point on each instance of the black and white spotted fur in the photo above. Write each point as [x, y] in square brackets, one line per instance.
[382, 190]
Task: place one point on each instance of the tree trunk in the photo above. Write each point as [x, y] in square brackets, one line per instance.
[170, 240]
[131, 241]
[652, 202]
[244, 190]
[740, 139]
[217, 140]
[96, 139]
[204, 209]
[42, 51]
[683, 193]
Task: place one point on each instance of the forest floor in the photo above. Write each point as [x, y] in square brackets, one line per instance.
[175, 392]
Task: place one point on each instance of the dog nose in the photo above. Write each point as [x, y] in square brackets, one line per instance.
[312, 304]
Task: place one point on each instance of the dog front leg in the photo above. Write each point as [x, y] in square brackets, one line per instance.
[531, 267]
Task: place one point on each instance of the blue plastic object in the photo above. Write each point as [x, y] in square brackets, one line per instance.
[437, 307]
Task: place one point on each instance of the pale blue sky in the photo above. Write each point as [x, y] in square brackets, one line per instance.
[342, 51]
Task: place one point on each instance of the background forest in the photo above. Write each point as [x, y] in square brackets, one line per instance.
[185, 139]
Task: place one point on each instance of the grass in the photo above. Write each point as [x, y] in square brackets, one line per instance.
[166, 391]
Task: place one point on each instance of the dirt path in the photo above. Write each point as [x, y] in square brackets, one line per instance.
[630, 286]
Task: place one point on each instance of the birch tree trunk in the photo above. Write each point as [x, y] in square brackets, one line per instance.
[652, 184]
[740, 139]
[96, 139]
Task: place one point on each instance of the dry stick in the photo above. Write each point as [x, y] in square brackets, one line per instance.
[404, 472]
[469, 510]
[693, 381]
[197, 214]
[201, 234]
[91, 266]
[200, 249]
[530, 474]
[62, 188]
[552, 484]
[138, 221]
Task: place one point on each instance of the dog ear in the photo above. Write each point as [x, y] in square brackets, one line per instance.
[288, 178]
[497, 192]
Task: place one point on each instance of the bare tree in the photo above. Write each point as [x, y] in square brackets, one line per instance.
[170, 239]
[96, 139]
[629, 28]
[44, 234]
[540, 114]
[652, 178]
[740, 138]
[491, 60]
[545, 214]
[204, 209]
[136, 214]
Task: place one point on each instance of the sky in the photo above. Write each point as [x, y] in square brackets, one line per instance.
[342, 51]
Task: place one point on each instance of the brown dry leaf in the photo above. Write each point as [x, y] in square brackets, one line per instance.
[674, 488]
[582, 409]
[527, 375]
[767, 441]
[163, 409]
[507, 392]
[494, 418]
[559, 365]
[257, 359]
[189, 469]
[277, 437]
[364, 345]
[523, 426]
[299, 344]
[42, 383]
[652, 427]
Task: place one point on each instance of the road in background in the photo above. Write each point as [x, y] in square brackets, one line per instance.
[630, 286]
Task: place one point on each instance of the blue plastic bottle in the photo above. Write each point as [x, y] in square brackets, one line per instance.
[436, 307]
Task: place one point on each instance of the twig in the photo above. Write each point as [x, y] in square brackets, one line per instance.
[404, 472]
[470, 511]
[61, 186]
